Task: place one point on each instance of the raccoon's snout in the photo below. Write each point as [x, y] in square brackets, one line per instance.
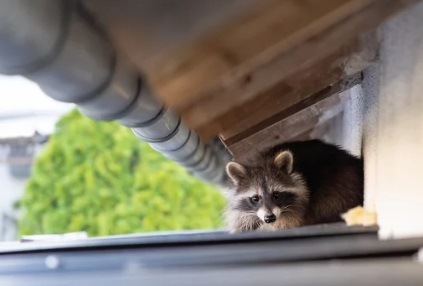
[269, 218]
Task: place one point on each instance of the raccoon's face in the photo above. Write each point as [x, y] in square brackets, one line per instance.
[271, 191]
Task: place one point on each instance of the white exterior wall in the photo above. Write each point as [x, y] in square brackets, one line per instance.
[344, 127]
[394, 127]
[383, 118]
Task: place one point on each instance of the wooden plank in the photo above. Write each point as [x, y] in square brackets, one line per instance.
[148, 30]
[230, 54]
[296, 125]
[289, 92]
[212, 78]
[251, 51]
[295, 108]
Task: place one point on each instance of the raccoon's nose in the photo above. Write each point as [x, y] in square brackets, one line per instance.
[270, 218]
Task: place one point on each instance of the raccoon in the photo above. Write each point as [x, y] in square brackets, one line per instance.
[293, 184]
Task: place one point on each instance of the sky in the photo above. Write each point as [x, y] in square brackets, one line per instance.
[19, 96]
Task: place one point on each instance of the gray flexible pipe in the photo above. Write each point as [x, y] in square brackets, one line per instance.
[53, 44]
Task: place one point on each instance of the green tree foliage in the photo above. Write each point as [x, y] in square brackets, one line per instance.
[98, 177]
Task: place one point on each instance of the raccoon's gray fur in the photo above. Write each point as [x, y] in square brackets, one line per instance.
[293, 184]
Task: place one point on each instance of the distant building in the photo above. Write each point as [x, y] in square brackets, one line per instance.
[27, 119]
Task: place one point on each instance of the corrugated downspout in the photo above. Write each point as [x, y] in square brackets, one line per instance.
[51, 43]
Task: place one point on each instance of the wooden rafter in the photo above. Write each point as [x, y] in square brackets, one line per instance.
[236, 71]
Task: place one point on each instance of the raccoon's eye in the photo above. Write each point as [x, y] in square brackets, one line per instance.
[255, 199]
[277, 196]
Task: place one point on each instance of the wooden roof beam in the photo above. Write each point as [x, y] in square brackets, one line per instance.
[228, 68]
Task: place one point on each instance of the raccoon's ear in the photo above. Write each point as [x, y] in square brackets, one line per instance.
[284, 160]
[236, 172]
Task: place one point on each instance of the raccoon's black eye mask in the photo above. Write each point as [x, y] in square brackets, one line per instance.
[248, 205]
[283, 198]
